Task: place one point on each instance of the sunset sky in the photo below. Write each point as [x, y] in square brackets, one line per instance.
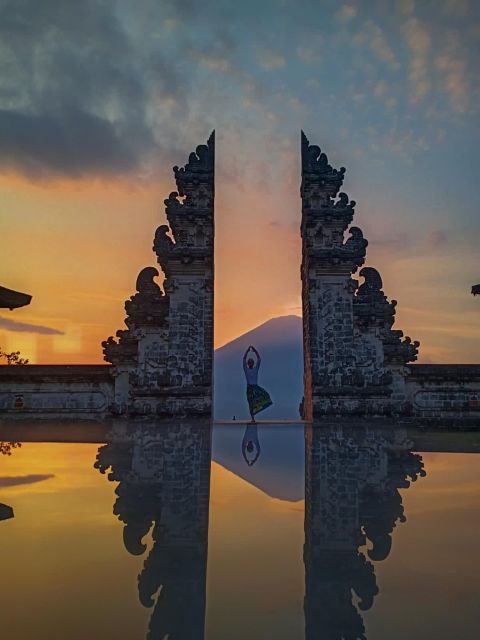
[99, 99]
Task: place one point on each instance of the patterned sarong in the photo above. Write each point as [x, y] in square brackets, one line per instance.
[258, 398]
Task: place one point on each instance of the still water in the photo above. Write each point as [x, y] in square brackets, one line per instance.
[285, 532]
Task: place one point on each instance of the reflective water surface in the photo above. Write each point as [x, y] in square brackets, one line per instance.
[183, 532]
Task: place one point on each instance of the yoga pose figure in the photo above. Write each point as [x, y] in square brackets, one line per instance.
[258, 398]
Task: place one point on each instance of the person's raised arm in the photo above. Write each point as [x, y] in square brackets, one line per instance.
[246, 354]
[258, 356]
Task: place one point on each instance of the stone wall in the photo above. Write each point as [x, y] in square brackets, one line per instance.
[439, 395]
[447, 394]
[60, 391]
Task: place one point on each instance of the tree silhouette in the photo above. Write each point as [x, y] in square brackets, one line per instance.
[6, 447]
[13, 357]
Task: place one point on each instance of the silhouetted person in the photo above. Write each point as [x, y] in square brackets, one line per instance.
[258, 399]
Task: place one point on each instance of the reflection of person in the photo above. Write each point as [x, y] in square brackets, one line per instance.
[258, 398]
[250, 445]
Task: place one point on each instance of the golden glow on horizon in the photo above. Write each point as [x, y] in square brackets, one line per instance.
[64, 547]
[77, 247]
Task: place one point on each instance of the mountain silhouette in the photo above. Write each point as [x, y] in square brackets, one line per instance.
[279, 342]
[278, 472]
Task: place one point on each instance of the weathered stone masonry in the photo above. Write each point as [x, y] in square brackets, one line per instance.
[56, 391]
[356, 364]
[163, 361]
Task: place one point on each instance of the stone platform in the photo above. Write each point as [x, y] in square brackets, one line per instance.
[56, 391]
[436, 394]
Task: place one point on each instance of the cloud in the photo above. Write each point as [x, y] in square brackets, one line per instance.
[347, 12]
[452, 64]
[436, 239]
[15, 325]
[215, 63]
[75, 86]
[407, 7]
[14, 481]
[310, 53]
[69, 141]
[392, 241]
[102, 88]
[270, 60]
[418, 41]
[391, 102]
[456, 7]
[313, 83]
[380, 89]
[373, 37]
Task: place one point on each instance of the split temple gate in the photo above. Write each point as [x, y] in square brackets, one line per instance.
[355, 364]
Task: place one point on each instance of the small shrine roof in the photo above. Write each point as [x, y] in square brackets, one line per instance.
[10, 299]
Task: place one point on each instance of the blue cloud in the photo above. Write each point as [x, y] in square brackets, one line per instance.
[15, 325]
[15, 481]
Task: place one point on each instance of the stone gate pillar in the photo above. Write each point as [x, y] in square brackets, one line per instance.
[163, 362]
[354, 363]
[327, 286]
[189, 273]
